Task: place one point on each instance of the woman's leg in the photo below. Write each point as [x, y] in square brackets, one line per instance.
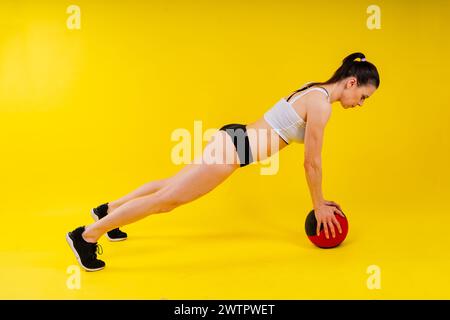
[190, 183]
[146, 189]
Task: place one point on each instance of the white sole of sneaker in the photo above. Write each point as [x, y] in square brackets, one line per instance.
[94, 216]
[115, 240]
[70, 242]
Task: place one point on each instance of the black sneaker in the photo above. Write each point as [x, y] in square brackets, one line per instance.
[114, 234]
[85, 252]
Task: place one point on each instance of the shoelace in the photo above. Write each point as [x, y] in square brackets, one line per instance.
[97, 248]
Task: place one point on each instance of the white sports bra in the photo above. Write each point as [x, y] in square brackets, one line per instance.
[283, 118]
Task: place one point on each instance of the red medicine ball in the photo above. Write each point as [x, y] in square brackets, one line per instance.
[320, 240]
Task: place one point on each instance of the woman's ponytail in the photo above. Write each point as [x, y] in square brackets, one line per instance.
[364, 71]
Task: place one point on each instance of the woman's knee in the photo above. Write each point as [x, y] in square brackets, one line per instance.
[161, 183]
[167, 201]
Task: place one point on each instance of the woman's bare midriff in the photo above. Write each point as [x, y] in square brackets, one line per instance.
[264, 142]
[259, 144]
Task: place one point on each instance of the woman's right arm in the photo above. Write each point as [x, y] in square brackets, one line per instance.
[318, 116]
[313, 173]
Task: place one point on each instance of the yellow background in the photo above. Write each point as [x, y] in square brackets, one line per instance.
[86, 117]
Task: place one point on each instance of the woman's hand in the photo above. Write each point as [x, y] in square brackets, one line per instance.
[325, 215]
[332, 203]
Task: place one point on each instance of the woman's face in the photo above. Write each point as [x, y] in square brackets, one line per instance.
[354, 95]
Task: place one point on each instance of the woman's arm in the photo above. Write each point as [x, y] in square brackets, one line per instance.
[314, 177]
[318, 115]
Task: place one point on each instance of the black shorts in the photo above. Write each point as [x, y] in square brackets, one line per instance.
[238, 132]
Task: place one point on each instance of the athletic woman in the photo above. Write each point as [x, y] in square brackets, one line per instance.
[300, 117]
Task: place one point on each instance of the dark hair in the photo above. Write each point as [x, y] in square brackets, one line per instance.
[364, 71]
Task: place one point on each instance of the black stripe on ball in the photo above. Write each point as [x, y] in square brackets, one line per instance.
[311, 224]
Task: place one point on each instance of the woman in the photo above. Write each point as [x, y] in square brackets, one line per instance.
[301, 117]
